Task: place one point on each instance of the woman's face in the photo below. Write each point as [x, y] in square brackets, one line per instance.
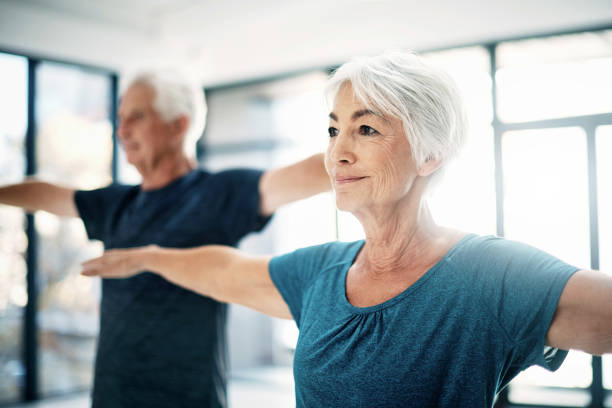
[368, 158]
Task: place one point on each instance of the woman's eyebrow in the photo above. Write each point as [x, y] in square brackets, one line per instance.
[363, 112]
[356, 115]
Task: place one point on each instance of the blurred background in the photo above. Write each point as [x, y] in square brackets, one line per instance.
[536, 77]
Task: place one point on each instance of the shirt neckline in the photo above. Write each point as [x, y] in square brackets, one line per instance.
[400, 296]
[170, 186]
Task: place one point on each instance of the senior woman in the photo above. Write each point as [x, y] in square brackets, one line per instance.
[417, 315]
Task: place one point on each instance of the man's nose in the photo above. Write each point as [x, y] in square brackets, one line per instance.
[122, 130]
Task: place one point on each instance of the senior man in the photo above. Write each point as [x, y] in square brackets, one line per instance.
[160, 345]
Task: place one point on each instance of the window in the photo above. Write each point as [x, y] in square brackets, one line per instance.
[604, 194]
[74, 147]
[13, 241]
[69, 110]
[552, 93]
[465, 198]
[540, 168]
[267, 125]
[554, 77]
[604, 179]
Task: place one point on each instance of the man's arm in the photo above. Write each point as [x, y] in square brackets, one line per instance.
[295, 182]
[223, 273]
[33, 195]
[583, 319]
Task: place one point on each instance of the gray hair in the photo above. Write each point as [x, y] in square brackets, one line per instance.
[176, 96]
[424, 98]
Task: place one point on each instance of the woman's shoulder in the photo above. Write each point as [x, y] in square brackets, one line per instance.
[492, 255]
[334, 251]
[322, 256]
[474, 246]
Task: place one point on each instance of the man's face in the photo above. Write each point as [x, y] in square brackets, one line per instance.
[145, 137]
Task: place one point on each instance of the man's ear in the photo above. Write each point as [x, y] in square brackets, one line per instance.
[430, 166]
[180, 125]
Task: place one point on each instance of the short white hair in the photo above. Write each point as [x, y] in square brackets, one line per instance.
[175, 95]
[424, 98]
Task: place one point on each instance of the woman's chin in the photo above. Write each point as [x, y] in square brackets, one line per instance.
[345, 205]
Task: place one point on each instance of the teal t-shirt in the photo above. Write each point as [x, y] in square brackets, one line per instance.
[453, 339]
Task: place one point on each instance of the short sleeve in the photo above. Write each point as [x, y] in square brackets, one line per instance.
[240, 191]
[523, 291]
[95, 207]
[293, 274]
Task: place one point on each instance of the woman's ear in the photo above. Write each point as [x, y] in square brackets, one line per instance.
[430, 166]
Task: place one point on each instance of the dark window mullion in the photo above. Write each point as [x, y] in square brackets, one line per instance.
[114, 95]
[30, 327]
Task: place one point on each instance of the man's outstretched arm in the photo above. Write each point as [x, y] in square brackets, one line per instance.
[33, 195]
[291, 183]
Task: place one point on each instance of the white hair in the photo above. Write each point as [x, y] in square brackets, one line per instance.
[425, 99]
[176, 96]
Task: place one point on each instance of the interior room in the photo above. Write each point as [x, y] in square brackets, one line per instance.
[536, 77]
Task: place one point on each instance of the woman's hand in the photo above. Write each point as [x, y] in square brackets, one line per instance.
[117, 263]
[216, 271]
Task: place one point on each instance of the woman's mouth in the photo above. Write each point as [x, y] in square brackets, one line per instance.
[347, 179]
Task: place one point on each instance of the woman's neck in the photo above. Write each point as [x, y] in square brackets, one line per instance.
[398, 239]
[402, 238]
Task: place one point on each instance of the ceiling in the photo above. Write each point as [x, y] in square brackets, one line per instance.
[234, 40]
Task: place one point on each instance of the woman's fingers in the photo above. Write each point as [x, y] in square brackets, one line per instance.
[91, 267]
[113, 264]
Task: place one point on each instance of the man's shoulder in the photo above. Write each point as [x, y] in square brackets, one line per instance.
[110, 190]
[234, 180]
[236, 173]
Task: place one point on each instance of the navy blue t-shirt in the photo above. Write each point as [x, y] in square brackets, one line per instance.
[161, 345]
[453, 339]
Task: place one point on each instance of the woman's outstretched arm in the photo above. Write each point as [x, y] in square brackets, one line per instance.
[222, 273]
[583, 319]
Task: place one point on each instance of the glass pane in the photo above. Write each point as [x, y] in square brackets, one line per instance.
[13, 241]
[74, 148]
[268, 125]
[546, 191]
[465, 198]
[555, 77]
[604, 194]
[546, 205]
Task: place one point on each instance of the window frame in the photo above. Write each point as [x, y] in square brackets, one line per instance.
[30, 344]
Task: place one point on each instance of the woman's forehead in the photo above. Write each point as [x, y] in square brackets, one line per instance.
[348, 104]
[347, 99]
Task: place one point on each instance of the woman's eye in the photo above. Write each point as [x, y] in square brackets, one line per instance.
[367, 130]
[332, 132]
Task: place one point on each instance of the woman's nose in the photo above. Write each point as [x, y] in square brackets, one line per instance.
[342, 148]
